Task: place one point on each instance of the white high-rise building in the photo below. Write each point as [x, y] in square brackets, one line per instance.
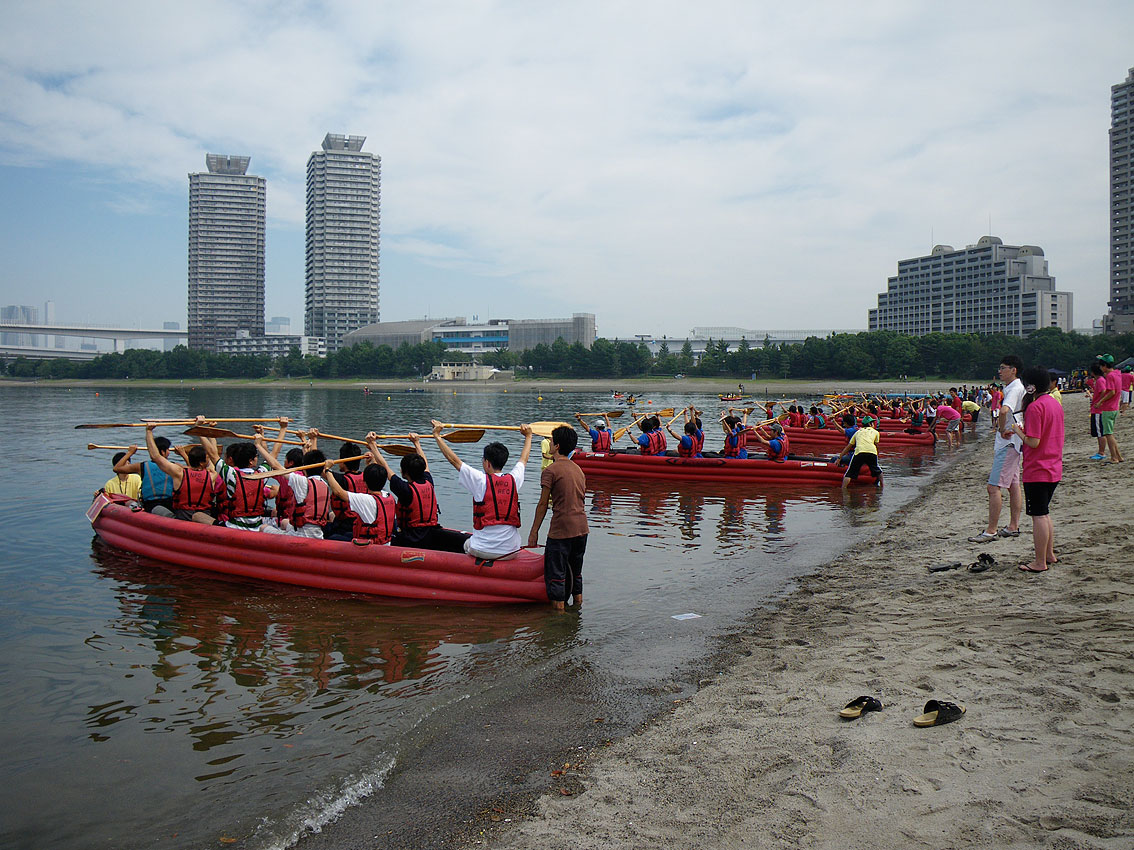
[343, 223]
[986, 288]
[227, 209]
[1121, 316]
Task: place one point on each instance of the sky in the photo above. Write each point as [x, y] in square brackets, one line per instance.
[663, 165]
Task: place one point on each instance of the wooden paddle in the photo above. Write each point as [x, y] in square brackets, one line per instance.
[225, 434]
[272, 473]
[467, 435]
[167, 423]
[209, 419]
[542, 429]
[91, 446]
[621, 432]
[613, 414]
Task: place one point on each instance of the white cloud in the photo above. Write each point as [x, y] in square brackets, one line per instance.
[663, 164]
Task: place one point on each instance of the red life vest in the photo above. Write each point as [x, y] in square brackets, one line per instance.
[382, 529]
[741, 438]
[316, 508]
[796, 420]
[500, 505]
[656, 446]
[421, 512]
[696, 445]
[195, 492]
[352, 483]
[781, 455]
[285, 499]
[601, 442]
[247, 498]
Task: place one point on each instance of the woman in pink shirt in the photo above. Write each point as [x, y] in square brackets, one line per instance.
[1042, 433]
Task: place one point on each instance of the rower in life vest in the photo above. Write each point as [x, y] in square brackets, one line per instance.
[736, 432]
[195, 487]
[692, 442]
[652, 440]
[373, 511]
[312, 496]
[776, 444]
[350, 479]
[495, 493]
[599, 431]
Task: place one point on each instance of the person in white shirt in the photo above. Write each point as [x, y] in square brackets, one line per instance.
[496, 505]
[1006, 457]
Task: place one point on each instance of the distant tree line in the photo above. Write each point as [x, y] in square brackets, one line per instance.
[882, 354]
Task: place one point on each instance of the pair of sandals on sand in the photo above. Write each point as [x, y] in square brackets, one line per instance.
[935, 713]
[983, 562]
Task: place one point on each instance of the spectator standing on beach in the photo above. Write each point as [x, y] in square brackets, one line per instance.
[1127, 388]
[564, 485]
[1005, 473]
[1108, 390]
[1042, 435]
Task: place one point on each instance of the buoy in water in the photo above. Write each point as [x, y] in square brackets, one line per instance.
[539, 398]
[387, 398]
[96, 395]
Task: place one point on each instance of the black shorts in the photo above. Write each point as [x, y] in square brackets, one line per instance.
[870, 461]
[1096, 426]
[1037, 496]
[563, 565]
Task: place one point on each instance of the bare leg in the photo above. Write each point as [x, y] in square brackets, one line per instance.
[995, 501]
[1015, 506]
[1112, 447]
[1041, 537]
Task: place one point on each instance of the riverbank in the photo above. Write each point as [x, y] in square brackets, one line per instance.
[771, 388]
[759, 757]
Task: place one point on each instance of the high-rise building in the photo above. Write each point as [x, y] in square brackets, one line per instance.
[343, 218]
[226, 251]
[986, 288]
[1120, 319]
[19, 314]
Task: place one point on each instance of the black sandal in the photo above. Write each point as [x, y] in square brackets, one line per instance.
[938, 713]
[856, 707]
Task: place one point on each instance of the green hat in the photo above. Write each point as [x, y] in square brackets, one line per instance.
[868, 420]
[1105, 358]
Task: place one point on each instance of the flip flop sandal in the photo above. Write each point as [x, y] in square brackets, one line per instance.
[1027, 568]
[938, 713]
[856, 707]
[937, 568]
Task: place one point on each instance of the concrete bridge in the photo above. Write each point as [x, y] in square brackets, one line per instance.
[118, 334]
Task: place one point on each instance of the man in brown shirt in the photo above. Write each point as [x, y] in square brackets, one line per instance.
[564, 484]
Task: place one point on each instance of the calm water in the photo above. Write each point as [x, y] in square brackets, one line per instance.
[149, 706]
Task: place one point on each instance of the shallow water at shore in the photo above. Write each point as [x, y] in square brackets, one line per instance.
[145, 705]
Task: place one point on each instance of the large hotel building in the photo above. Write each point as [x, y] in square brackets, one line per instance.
[986, 288]
[343, 218]
[1120, 319]
[226, 252]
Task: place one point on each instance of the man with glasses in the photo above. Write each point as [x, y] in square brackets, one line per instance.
[1006, 457]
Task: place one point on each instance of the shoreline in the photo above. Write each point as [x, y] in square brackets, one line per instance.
[758, 756]
[638, 386]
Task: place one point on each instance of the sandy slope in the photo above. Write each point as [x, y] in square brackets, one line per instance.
[1044, 664]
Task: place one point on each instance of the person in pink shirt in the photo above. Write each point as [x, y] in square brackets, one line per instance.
[1042, 435]
[1105, 402]
[1127, 388]
[994, 405]
[950, 415]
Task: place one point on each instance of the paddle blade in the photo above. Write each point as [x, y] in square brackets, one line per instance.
[544, 429]
[207, 431]
[465, 435]
[399, 451]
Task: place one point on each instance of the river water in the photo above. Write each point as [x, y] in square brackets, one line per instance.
[150, 706]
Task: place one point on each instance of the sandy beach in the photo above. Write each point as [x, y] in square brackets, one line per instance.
[1043, 663]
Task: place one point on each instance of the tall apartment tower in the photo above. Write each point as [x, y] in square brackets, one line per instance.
[343, 218]
[1121, 316]
[226, 251]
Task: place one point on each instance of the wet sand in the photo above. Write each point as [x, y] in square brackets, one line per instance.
[758, 757]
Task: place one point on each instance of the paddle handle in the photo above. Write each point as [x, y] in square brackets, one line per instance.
[91, 446]
[257, 476]
[478, 427]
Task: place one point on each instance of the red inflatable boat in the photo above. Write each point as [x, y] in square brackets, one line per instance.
[714, 469]
[325, 564]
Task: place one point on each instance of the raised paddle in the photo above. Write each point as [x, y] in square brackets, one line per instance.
[169, 423]
[272, 473]
[621, 432]
[613, 414]
[91, 446]
[207, 419]
[467, 435]
[541, 429]
[225, 434]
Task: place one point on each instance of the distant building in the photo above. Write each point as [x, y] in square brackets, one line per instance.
[226, 251]
[700, 337]
[170, 343]
[18, 314]
[272, 345]
[515, 335]
[278, 325]
[986, 288]
[1120, 319]
[343, 224]
[468, 372]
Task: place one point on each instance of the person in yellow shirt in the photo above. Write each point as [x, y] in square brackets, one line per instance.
[124, 484]
[864, 443]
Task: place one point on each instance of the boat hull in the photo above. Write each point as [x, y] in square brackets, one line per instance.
[714, 469]
[835, 440]
[324, 564]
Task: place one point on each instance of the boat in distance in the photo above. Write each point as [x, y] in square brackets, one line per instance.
[794, 470]
[391, 571]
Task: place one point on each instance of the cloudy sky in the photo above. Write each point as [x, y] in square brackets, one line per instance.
[663, 165]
